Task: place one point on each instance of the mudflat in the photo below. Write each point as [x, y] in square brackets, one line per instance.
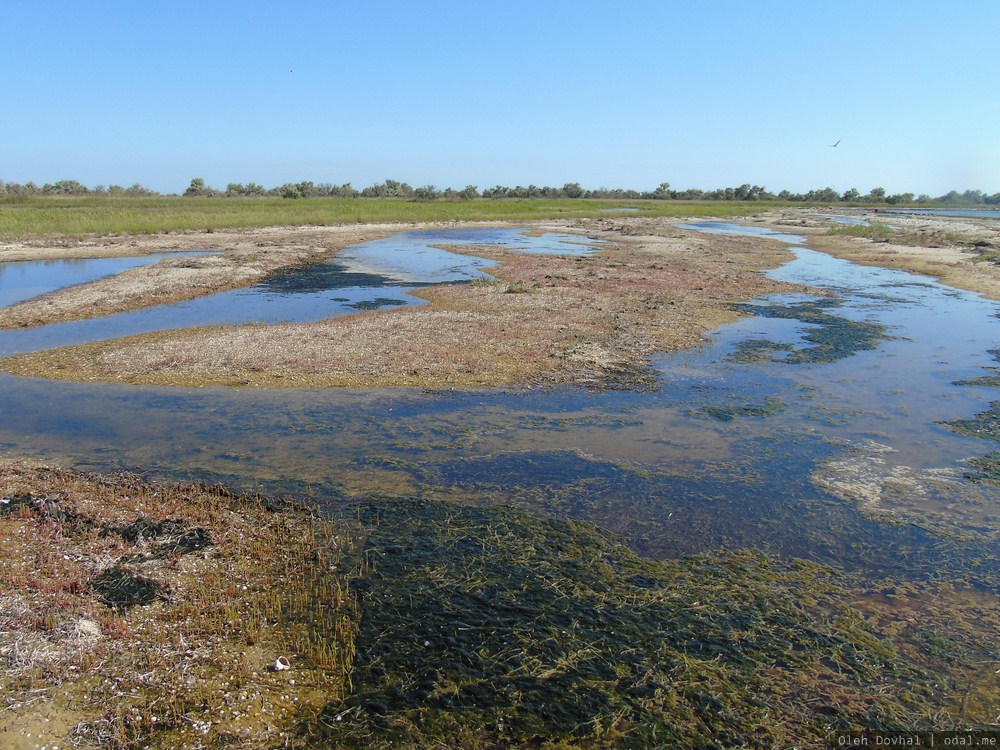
[238, 259]
[140, 614]
[544, 319]
[593, 320]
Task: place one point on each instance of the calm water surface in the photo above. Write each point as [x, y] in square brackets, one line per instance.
[740, 446]
[21, 280]
[380, 273]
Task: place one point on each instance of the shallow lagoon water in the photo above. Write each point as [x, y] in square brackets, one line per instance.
[21, 280]
[725, 454]
[380, 273]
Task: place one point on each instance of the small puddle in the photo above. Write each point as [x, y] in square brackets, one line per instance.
[848, 221]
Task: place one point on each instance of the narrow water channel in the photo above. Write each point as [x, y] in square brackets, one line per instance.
[812, 428]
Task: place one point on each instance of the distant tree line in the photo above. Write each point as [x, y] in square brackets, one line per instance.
[69, 187]
[401, 190]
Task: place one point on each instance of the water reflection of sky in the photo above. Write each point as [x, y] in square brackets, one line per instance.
[363, 277]
[21, 280]
[412, 257]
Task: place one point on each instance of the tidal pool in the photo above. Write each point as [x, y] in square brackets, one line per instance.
[812, 428]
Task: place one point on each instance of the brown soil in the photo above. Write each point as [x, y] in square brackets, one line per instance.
[547, 319]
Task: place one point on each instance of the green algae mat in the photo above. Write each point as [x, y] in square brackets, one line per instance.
[488, 628]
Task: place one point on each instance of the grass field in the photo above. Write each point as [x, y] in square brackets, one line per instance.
[34, 217]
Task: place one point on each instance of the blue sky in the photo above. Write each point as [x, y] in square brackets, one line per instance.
[627, 94]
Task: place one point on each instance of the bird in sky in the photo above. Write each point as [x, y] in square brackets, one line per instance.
[834, 145]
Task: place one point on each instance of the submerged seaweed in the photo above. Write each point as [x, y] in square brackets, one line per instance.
[377, 303]
[744, 408]
[491, 628]
[984, 425]
[766, 500]
[833, 337]
[987, 469]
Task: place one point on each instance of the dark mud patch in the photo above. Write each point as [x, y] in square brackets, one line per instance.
[121, 588]
[487, 628]
[832, 337]
[321, 277]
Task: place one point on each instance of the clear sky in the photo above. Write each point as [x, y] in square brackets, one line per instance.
[451, 93]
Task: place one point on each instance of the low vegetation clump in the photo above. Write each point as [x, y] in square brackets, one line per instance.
[134, 615]
[878, 232]
[931, 237]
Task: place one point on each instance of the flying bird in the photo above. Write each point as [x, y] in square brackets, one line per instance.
[834, 145]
